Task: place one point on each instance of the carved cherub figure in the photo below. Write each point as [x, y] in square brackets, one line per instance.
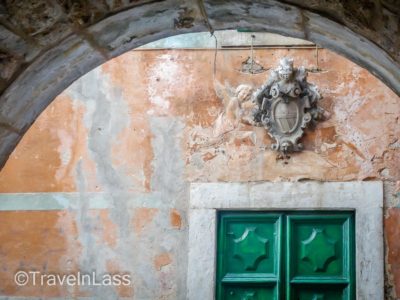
[238, 107]
[243, 97]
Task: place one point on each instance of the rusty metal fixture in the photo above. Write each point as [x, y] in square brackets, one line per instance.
[250, 66]
[286, 105]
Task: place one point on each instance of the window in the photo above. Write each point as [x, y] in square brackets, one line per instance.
[285, 255]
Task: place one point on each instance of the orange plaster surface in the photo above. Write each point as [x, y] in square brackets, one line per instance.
[359, 141]
[176, 219]
[42, 241]
[142, 217]
[354, 143]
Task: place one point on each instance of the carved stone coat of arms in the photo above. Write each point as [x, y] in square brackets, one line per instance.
[286, 105]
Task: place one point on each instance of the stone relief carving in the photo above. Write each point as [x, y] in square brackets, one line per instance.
[286, 105]
[238, 107]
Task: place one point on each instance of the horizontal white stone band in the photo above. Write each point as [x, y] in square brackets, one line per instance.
[74, 201]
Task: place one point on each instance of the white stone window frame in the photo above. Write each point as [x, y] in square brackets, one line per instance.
[364, 198]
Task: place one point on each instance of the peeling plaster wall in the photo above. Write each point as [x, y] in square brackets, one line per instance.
[110, 161]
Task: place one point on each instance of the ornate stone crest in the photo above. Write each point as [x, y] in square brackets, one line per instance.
[286, 105]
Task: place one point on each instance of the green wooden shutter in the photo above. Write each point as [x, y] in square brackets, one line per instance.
[320, 256]
[249, 256]
[281, 255]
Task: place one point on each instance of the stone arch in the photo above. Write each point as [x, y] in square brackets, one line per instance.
[98, 34]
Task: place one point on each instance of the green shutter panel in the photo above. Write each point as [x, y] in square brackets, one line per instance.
[249, 256]
[301, 256]
[319, 261]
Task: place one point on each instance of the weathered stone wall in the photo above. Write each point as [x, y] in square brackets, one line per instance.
[46, 46]
[29, 29]
[110, 161]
